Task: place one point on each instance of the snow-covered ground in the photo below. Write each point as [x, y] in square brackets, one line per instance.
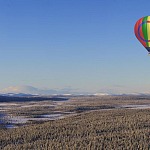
[24, 119]
[12, 120]
[136, 106]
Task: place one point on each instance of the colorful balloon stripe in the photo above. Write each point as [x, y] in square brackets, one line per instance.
[142, 31]
[139, 33]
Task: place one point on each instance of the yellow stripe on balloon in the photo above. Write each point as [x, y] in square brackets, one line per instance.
[148, 30]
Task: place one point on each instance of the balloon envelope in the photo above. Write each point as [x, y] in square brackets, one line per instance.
[142, 31]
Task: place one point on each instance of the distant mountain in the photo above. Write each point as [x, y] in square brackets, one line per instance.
[30, 90]
[23, 90]
[18, 95]
[123, 94]
[101, 94]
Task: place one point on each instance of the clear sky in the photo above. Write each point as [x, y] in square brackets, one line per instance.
[88, 45]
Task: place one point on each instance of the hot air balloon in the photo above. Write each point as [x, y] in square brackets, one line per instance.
[142, 31]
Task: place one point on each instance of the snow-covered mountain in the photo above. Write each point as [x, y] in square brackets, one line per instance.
[26, 91]
[101, 94]
[18, 95]
[30, 90]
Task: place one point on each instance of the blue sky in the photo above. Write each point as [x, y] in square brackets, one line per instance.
[79, 44]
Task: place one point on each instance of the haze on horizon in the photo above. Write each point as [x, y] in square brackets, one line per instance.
[85, 46]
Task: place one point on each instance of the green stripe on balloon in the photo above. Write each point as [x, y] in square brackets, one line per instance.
[144, 29]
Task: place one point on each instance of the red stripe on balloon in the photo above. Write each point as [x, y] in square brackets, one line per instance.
[141, 32]
[136, 30]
